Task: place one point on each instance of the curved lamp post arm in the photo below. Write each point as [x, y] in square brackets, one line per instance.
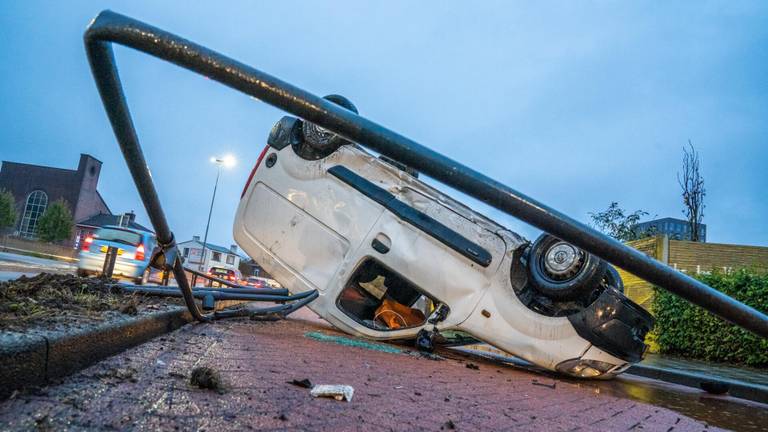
[110, 27]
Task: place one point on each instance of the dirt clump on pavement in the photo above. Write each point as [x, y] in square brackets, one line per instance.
[205, 377]
[47, 296]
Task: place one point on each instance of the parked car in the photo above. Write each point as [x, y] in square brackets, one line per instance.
[134, 248]
[394, 258]
[226, 274]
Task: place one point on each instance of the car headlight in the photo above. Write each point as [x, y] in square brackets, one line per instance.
[584, 368]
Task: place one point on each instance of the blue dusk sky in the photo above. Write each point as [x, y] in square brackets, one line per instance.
[576, 104]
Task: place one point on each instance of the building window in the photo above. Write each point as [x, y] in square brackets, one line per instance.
[216, 256]
[231, 259]
[37, 202]
[186, 252]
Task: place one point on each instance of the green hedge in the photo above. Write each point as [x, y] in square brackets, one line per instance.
[690, 331]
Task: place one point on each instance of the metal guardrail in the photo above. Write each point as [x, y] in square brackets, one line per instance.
[109, 27]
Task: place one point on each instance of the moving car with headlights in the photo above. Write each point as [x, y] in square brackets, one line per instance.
[223, 273]
[134, 248]
[261, 282]
[394, 258]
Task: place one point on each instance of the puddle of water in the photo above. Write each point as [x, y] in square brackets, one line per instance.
[721, 411]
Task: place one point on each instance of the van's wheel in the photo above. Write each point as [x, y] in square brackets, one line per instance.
[144, 277]
[561, 271]
[318, 142]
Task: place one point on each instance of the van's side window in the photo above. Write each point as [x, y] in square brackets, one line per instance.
[379, 298]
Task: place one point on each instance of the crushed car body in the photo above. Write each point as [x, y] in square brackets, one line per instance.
[380, 254]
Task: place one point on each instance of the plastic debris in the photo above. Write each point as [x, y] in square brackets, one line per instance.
[336, 391]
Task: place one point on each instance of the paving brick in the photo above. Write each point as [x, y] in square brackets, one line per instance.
[392, 391]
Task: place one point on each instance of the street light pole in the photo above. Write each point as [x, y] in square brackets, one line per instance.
[226, 161]
[210, 211]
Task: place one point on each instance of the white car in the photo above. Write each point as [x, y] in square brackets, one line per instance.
[393, 258]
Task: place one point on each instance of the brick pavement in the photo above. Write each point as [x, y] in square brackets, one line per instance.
[392, 391]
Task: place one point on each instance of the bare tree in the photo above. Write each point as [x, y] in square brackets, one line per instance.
[692, 184]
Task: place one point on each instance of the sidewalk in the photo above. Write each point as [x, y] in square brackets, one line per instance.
[146, 388]
[717, 370]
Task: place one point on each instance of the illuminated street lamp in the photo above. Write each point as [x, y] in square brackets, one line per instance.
[226, 161]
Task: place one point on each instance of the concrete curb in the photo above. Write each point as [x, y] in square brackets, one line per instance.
[739, 389]
[35, 359]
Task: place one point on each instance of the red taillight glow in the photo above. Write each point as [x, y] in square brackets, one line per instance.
[87, 243]
[140, 253]
[253, 171]
[231, 278]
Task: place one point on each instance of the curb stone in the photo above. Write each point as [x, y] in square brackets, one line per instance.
[36, 358]
[737, 389]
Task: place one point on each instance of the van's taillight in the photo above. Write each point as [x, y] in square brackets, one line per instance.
[140, 253]
[253, 171]
[87, 243]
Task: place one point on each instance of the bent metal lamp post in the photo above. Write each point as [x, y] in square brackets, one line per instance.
[109, 27]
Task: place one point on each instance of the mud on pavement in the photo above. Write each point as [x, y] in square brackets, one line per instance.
[148, 388]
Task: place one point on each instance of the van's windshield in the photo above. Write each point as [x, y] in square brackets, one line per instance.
[118, 236]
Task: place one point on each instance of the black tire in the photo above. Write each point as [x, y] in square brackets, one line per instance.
[578, 280]
[316, 142]
[613, 279]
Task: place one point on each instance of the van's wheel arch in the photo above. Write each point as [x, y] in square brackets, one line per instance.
[562, 271]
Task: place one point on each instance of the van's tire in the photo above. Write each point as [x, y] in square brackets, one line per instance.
[562, 271]
[316, 142]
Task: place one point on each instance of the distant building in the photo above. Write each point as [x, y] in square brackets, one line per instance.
[215, 256]
[35, 187]
[88, 226]
[676, 229]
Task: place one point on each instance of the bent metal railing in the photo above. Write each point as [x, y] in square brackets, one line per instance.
[109, 27]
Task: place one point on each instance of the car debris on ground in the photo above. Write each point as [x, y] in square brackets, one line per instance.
[205, 377]
[337, 391]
